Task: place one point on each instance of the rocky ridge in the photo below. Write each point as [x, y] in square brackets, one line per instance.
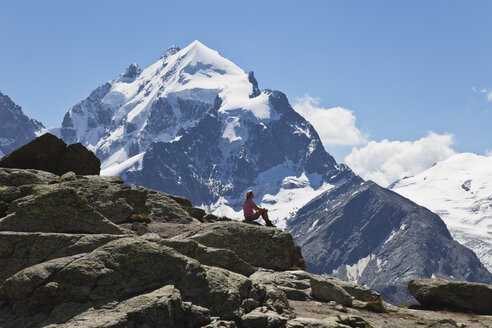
[133, 257]
[362, 232]
[16, 128]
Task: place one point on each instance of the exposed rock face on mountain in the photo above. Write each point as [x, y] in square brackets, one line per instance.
[459, 189]
[203, 166]
[48, 153]
[452, 295]
[16, 129]
[361, 232]
[195, 124]
[206, 275]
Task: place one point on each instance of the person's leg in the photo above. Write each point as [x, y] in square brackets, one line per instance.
[253, 217]
[264, 215]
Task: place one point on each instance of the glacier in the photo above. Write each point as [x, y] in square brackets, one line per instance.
[459, 190]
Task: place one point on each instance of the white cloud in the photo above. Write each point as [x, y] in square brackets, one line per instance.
[488, 152]
[335, 126]
[488, 92]
[387, 161]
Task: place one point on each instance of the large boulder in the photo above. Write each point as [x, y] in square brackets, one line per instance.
[295, 284]
[76, 158]
[51, 154]
[263, 318]
[325, 290]
[361, 293]
[452, 295]
[258, 245]
[119, 202]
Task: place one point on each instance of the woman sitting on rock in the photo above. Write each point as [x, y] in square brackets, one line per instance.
[253, 212]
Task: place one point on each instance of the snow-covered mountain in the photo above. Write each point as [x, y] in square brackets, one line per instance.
[16, 129]
[361, 232]
[459, 189]
[195, 124]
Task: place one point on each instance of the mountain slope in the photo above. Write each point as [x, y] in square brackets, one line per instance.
[459, 189]
[207, 166]
[124, 116]
[16, 129]
[196, 124]
[362, 232]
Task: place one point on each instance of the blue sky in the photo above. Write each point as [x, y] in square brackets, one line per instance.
[403, 68]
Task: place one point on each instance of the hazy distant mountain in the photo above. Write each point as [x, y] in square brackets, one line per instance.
[195, 124]
[459, 189]
[16, 129]
[362, 232]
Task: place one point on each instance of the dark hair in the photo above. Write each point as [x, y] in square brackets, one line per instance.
[249, 193]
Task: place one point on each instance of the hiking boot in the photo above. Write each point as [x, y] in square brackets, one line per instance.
[269, 224]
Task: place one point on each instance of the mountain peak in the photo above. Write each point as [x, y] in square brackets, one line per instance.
[198, 45]
[170, 51]
[199, 52]
[132, 72]
[17, 129]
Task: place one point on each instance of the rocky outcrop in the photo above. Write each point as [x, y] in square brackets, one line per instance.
[48, 153]
[16, 178]
[223, 274]
[20, 250]
[55, 208]
[118, 270]
[303, 286]
[37, 201]
[452, 295]
[163, 307]
[126, 267]
[258, 245]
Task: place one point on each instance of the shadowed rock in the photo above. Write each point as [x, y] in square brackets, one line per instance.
[452, 295]
[51, 154]
[80, 160]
